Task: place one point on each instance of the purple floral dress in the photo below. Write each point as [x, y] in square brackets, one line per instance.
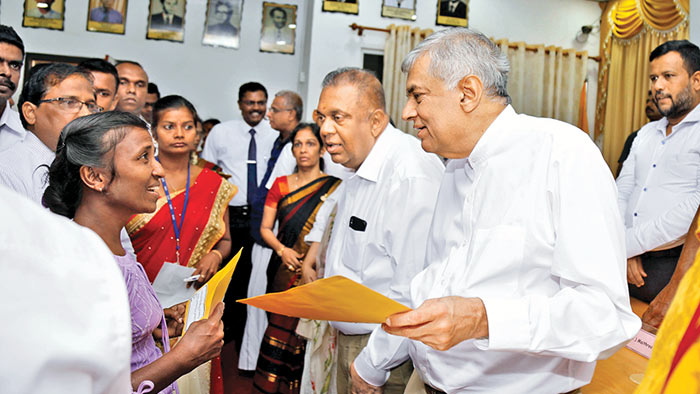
[146, 315]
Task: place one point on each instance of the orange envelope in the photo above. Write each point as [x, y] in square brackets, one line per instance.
[336, 299]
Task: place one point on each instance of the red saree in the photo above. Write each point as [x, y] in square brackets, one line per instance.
[152, 234]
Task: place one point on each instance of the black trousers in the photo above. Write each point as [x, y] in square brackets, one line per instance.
[235, 313]
[659, 267]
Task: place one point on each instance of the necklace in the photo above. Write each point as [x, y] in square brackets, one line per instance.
[177, 228]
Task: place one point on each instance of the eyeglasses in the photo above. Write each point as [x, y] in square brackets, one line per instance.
[71, 105]
[251, 103]
[278, 110]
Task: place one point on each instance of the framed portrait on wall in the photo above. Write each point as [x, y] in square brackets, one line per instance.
[279, 24]
[31, 59]
[166, 20]
[403, 9]
[107, 16]
[223, 25]
[452, 13]
[47, 14]
[346, 6]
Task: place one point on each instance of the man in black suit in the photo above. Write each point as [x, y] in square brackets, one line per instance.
[453, 8]
[167, 20]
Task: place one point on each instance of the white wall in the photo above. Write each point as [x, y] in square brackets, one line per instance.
[550, 22]
[208, 76]
[694, 16]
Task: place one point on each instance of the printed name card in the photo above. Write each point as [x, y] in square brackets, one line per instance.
[642, 343]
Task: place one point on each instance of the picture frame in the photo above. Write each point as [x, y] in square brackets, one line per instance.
[402, 9]
[31, 59]
[45, 14]
[166, 20]
[107, 16]
[452, 13]
[279, 23]
[222, 27]
[344, 6]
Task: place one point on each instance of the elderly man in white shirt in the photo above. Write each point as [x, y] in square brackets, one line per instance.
[11, 59]
[525, 286]
[659, 184]
[381, 225]
[67, 324]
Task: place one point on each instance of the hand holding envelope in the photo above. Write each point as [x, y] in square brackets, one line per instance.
[335, 299]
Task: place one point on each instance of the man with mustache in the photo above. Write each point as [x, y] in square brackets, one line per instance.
[133, 87]
[242, 147]
[11, 59]
[658, 187]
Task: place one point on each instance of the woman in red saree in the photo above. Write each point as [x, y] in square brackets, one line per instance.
[293, 202]
[190, 224]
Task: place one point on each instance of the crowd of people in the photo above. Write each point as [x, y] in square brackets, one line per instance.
[506, 233]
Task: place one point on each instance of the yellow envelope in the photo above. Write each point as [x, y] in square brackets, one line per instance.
[336, 299]
[209, 295]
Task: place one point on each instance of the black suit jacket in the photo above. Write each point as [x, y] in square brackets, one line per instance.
[158, 22]
[460, 11]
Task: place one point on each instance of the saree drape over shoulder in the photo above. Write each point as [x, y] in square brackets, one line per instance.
[153, 236]
[281, 359]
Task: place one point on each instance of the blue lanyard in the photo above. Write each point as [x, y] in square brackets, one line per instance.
[177, 228]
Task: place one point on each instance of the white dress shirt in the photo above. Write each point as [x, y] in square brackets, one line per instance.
[393, 193]
[528, 223]
[11, 129]
[25, 167]
[659, 185]
[66, 324]
[227, 147]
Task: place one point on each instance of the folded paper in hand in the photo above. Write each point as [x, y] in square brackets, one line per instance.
[336, 299]
[208, 296]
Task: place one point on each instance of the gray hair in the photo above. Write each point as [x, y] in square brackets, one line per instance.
[293, 99]
[457, 52]
[364, 80]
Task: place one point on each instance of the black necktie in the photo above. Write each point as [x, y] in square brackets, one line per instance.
[252, 167]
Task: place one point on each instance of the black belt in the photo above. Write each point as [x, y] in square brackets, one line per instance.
[432, 390]
[239, 211]
[673, 252]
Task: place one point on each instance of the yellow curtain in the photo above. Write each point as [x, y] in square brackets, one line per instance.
[400, 41]
[630, 30]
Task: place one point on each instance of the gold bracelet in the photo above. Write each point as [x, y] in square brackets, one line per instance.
[279, 252]
[221, 258]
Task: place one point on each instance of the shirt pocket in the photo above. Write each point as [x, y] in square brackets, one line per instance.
[495, 260]
[356, 242]
[685, 166]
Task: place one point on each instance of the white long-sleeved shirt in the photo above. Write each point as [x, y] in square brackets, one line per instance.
[659, 185]
[67, 324]
[528, 223]
[393, 192]
[25, 167]
[11, 129]
[227, 147]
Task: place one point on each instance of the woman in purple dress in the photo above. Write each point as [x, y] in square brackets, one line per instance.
[104, 173]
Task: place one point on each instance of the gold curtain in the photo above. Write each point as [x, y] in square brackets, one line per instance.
[545, 81]
[400, 41]
[630, 30]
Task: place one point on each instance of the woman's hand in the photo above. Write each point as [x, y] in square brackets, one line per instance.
[174, 320]
[206, 267]
[291, 259]
[203, 340]
[308, 274]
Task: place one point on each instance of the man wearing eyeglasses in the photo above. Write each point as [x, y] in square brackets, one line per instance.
[242, 147]
[53, 95]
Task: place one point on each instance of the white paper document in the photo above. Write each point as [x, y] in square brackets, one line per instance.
[170, 286]
[197, 307]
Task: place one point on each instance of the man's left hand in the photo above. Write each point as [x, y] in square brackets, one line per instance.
[359, 386]
[658, 307]
[441, 323]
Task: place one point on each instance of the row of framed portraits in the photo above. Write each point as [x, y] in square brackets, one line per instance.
[166, 21]
[449, 12]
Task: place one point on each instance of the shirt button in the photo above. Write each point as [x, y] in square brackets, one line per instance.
[635, 214]
[653, 165]
[645, 189]
[663, 142]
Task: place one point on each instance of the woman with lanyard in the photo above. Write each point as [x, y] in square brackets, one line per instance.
[190, 224]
